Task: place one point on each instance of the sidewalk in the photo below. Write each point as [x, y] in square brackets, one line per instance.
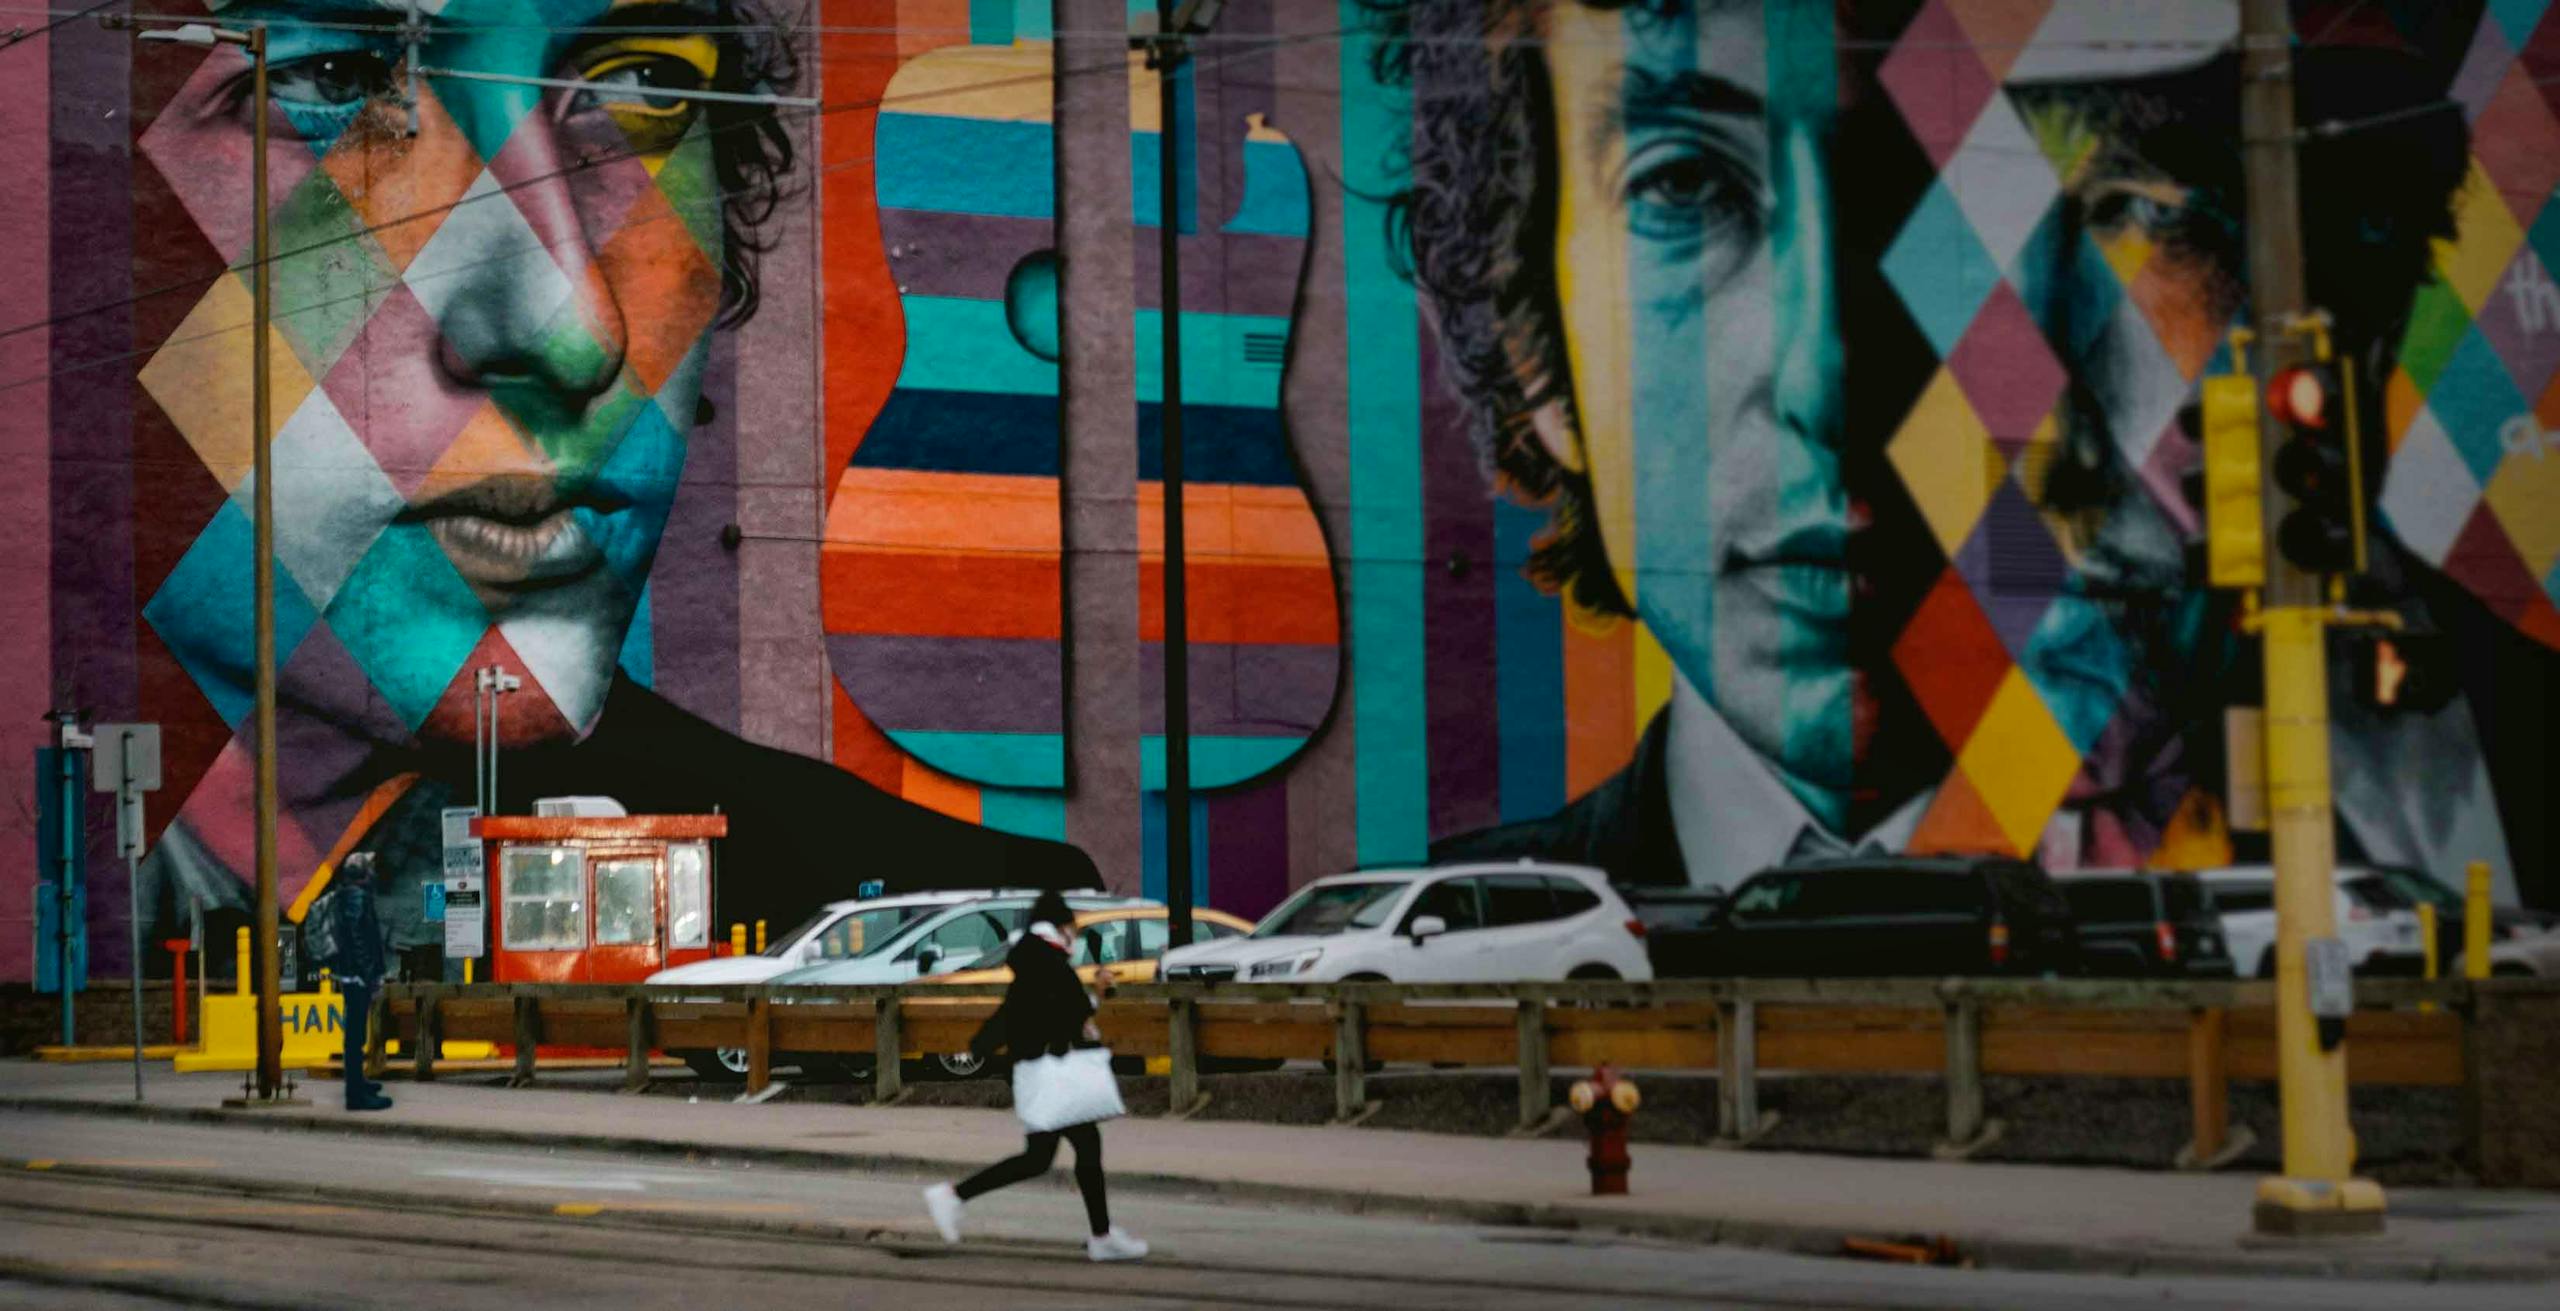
[2014, 1216]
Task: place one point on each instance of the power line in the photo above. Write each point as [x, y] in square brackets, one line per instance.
[17, 35]
[521, 252]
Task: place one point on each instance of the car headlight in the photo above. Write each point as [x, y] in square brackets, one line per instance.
[1285, 966]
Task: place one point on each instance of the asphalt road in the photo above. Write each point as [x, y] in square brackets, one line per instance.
[99, 1213]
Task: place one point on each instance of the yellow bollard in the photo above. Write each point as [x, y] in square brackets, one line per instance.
[2475, 923]
[759, 937]
[467, 963]
[325, 982]
[240, 963]
[2427, 940]
[737, 939]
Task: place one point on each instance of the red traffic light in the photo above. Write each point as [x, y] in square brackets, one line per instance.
[2305, 396]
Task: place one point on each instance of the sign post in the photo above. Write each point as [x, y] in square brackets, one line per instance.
[465, 903]
[126, 761]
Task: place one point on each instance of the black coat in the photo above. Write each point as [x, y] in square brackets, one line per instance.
[359, 962]
[1044, 1009]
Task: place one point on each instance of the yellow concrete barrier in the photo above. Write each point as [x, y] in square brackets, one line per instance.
[312, 1032]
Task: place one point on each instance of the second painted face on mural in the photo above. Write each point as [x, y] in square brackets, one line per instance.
[1718, 198]
[490, 338]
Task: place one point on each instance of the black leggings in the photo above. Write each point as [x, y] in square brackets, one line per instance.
[1038, 1150]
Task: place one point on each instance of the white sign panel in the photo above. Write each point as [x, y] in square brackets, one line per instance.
[466, 910]
[2331, 977]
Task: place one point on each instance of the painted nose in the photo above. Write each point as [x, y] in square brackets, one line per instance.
[1809, 372]
[529, 315]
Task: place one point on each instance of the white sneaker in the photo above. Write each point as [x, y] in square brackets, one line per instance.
[942, 1202]
[1118, 1245]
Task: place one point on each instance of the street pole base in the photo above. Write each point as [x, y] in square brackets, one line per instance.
[2317, 1208]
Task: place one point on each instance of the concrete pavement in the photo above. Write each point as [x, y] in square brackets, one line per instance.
[2016, 1216]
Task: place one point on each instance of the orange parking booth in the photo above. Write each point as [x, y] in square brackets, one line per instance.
[596, 899]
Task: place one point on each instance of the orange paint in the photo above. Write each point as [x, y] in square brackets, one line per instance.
[934, 790]
[1220, 519]
[923, 510]
[1237, 602]
[861, 749]
[865, 336]
[1600, 703]
[938, 594]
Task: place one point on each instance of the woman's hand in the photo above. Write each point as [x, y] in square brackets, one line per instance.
[1091, 1032]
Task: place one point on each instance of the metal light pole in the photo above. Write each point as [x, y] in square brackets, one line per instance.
[270, 1078]
[1166, 53]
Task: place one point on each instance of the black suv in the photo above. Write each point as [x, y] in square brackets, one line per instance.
[1887, 916]
[2135, 925]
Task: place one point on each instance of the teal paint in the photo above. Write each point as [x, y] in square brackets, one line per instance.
[1031, 814]
[947, 340]
[1017, 760]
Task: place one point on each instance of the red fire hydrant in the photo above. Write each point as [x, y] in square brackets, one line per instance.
[1607, 1103]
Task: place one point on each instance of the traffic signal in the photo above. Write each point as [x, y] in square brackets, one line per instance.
[2312, 467]
[2403, 672]
[2225, 422]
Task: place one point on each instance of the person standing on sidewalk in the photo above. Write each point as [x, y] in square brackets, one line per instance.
[360, 967]
[1045, 1012]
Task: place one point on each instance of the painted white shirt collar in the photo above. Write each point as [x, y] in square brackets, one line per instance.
[1732, 814]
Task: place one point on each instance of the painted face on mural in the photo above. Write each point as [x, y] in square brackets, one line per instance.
[1707, 187]
[491, 334]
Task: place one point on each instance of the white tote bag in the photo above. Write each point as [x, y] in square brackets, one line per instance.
[1053, 1092]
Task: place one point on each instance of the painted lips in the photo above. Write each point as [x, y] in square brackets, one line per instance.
[514, 533]
[1805, 570]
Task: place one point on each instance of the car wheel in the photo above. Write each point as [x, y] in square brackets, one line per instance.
[719, 1065]
[957, 1065]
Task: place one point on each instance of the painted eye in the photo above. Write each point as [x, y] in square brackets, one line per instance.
[338, 78]
[1682, 191]
[632, 77]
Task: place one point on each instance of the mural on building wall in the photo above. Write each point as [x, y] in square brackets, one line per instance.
[1842, 347]
[1716, 433]
[491, 344]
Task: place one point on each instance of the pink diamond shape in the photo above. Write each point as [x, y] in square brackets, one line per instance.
[2007, 370]
[205, 157]
[2518, 141]
[1937, 80]
[394, 392]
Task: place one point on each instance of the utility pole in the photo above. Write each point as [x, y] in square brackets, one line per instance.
[2317, 1193]
[1167, 52]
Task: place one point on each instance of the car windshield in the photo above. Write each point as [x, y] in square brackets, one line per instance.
[846, 937]
[2419, 888]
[782, 946]
[1332, 908]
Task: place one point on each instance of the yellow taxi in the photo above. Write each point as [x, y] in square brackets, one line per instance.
[1127, 940]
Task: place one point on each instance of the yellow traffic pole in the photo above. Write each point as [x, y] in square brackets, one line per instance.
[240, 963]
[738, 939]
[2427, 938]
[2475, 922]
[759, 937]
[467, 963]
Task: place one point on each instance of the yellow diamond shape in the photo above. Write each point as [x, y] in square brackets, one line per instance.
[2522, 493]
[1947, 460]
[2126, 253]
[2019, 761]
[2485, 238]
[201, 378]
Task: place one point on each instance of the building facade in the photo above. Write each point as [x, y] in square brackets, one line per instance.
[1679, 436]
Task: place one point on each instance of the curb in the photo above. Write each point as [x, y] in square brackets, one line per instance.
[2313, 1259]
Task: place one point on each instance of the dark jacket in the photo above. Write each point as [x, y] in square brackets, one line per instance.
[359, 962]
[1044, 1009]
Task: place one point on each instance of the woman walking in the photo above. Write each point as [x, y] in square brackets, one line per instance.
[1045, 1014]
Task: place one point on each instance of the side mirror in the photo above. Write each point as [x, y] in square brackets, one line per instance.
[928, 959]
[1426, 927]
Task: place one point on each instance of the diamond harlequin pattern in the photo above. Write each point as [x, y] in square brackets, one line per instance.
[408, 618]
[2007, 370]
[1938, 267]
[2019, 762]
[1947, 461]
[200, 378]
[203, 613]
[1937, 80]
[329, 488]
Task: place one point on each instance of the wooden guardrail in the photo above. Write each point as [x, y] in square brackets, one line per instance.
[2205, 1032]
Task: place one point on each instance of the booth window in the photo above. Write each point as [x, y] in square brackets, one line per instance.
[626, 901]
[688, 895]
[546, 899]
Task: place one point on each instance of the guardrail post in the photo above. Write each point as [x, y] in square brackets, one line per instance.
[635, 1057]
[759, 1043]
[1182, 1041]
[377, 1039]
[1350, 1062]
[2208, 1090]
[528, 1036]
[422, 1062]
[1967, 1131]
[1738, 1071]
[1537, 1099]
[888, 1075]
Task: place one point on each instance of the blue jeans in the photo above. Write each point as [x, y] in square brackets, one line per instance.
[356, 1003]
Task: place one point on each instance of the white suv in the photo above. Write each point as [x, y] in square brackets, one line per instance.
[2375, 921]
[1481, 923]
